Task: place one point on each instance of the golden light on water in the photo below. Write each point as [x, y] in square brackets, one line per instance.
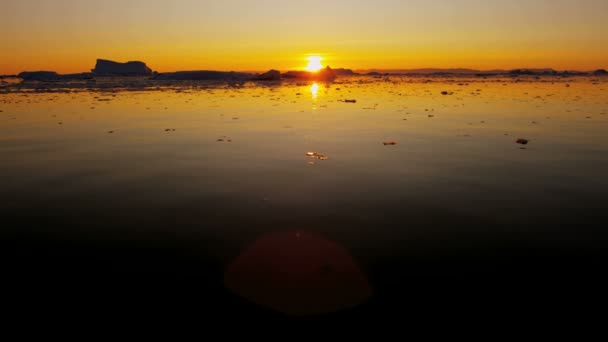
[314, 90]
[314, 63]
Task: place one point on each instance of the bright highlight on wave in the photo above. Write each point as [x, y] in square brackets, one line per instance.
[314, 63]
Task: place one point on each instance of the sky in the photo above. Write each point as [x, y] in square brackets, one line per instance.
[256, 35]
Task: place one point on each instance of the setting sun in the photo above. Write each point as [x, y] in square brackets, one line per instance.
[314, 64]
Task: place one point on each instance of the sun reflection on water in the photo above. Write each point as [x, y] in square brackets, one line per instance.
[314, 91]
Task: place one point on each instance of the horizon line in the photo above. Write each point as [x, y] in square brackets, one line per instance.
[356, 70]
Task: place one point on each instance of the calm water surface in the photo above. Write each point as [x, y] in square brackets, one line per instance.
[180, 180]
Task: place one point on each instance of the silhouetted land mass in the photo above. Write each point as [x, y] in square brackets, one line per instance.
[479, 73]
[107, 68]
[326, 74]
[345, 72]
[533, 72]
[39, 75]
[204, 75]
[428, 71]
[272, 75]
[53, 76]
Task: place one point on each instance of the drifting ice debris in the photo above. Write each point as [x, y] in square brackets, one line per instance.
[522, 141]
[317, 155]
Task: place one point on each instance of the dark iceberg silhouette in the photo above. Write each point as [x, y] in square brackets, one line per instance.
[107, 67]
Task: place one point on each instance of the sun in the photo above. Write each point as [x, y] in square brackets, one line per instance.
[314, 63]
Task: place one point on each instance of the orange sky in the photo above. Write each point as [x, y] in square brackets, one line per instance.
[68, 35]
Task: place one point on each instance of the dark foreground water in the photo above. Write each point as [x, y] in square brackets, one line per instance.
[410, 202]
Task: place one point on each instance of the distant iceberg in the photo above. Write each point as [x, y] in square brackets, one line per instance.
[106, 67]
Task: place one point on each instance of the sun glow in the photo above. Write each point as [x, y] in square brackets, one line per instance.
[314, 64]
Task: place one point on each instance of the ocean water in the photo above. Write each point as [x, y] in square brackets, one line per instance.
[419, 185]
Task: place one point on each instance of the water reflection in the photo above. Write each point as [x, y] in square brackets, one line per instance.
[314, 90]
[455, 182]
